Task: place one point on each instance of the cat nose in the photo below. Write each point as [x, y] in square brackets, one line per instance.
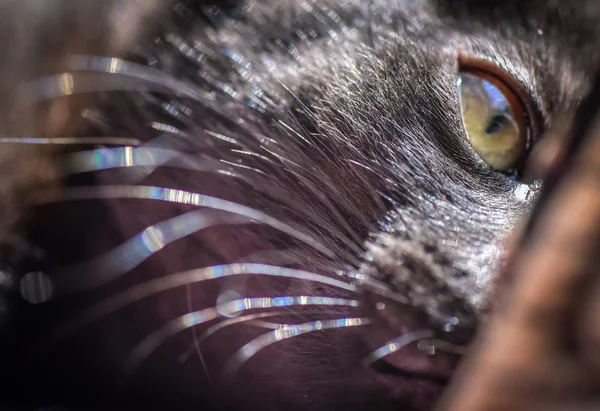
[418, 275]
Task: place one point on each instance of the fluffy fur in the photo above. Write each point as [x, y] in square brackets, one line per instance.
[340, 120]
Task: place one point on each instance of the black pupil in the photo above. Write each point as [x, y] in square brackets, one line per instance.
[497, 123]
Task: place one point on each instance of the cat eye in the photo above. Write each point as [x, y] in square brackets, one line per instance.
[495, 120]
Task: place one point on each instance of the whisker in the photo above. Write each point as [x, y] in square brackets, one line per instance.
[318, 189]
[285, 333]
[125, 257]
[106, 74]
[349, 237]
[126, 157]
[217, 327]
[180, 279]
[294, 132]
[398, 343]
[359, 164]
[176, 196]
[249, 319]
[303, 106]
[431, 346]
[340, 220]
[223, 137]
[112, 141]
[268, 325]
[244, 167]
[290, 256]
[122, 157]
[195, 344]
[378, 287]
[129, 157]
[173, 327]
[149, 157]
[69, 84]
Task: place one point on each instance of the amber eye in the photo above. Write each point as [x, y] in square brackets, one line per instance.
[495, 120]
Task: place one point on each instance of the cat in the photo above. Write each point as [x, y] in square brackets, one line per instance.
[270, 204]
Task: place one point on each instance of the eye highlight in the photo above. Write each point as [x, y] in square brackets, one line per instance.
[494, 119]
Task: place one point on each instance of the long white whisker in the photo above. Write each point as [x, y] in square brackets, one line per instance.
[378, 287]
[123, 157]
[149, 156]
[304, 107]
[320, 183]
[115, 65]
[247, 319]
[256, 345]
[291, 256]
[125, 75]
[249, 153]
[153, 157]
[69, 84]
[269, 325]
[294, 132]
[343, 222]
[180, 279]
[116, 141]
[181, 197]
[431, 346]
[195, 344]
[108, 158]
[398, 343]
[323, 181]
[173, 327]
[125, 257]
[223, 324]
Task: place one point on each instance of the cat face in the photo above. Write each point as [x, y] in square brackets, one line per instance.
[294, 216]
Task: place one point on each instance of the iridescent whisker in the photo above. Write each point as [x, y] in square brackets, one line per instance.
[251, 320]
[107, 74]
[158, 285]
[223, 324]
[397, 343]
[268, 325]
[378, 287]
[125, 257]
[434, 345]
[111, 141]
[121, 157]
[173, 327]
[177, 196]
[150, 158]
[285, 333]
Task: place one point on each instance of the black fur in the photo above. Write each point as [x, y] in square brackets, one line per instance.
[339, 119]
